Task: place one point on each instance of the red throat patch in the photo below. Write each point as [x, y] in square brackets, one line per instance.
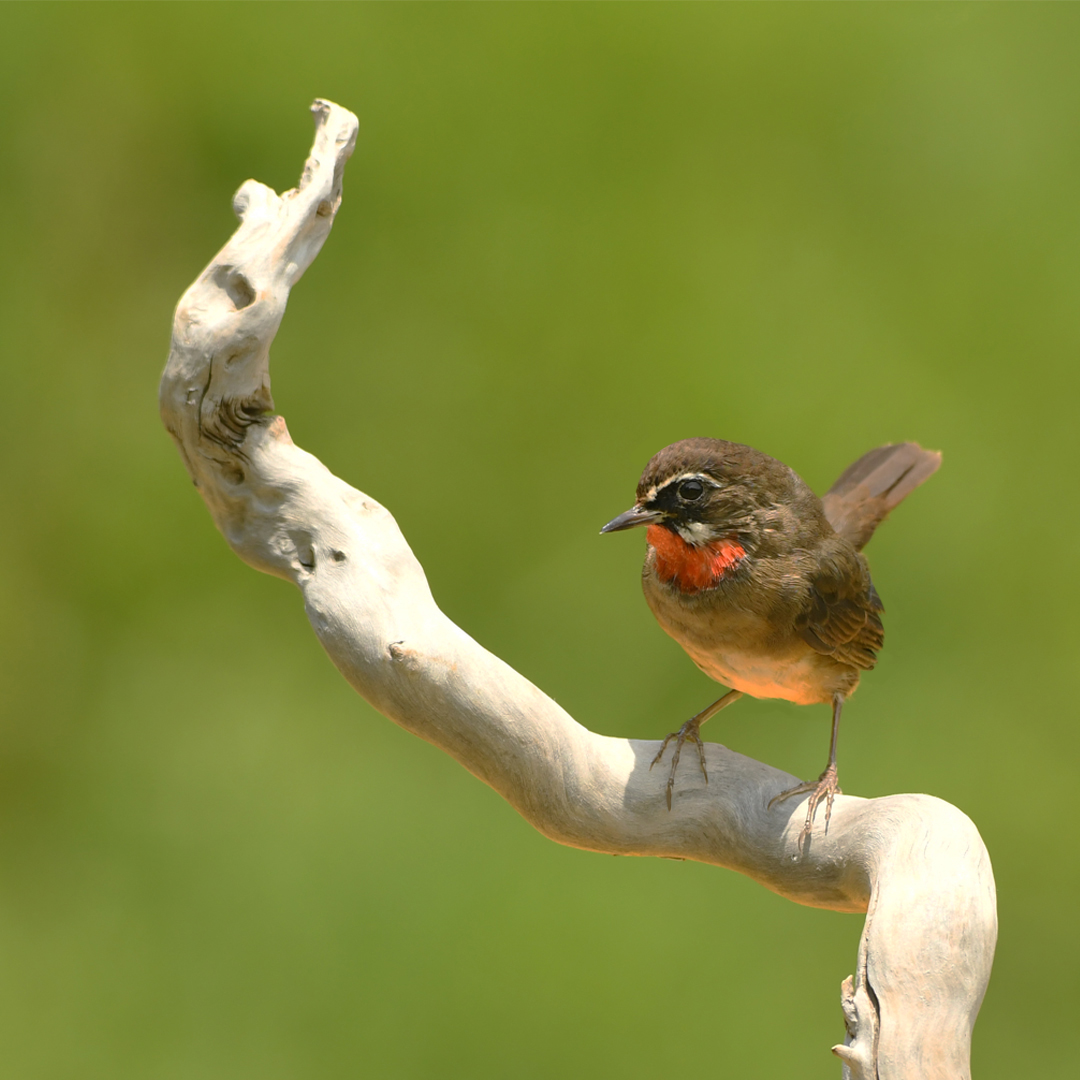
[693, 568]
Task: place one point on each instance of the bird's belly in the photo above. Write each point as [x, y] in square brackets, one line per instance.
[795, 676]
[749, 652]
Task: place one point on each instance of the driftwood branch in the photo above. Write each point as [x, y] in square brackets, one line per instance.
[914, 864]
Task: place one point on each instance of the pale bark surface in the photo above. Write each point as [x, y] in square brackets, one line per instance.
[914, 864]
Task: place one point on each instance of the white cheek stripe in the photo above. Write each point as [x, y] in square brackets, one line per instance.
[696, 533]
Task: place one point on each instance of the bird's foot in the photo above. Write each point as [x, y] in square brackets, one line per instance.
[689, 732]
[825, 787]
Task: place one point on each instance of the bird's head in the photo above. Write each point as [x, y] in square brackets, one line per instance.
[709, 505]
[703, 490]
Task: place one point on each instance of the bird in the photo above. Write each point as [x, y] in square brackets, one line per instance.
[764, 584]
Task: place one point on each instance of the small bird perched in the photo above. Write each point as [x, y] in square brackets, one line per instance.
[761, 582]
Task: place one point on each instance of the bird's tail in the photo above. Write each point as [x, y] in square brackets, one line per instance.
[863, 496]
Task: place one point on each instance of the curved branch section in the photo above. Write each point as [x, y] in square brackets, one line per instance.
[916, 865]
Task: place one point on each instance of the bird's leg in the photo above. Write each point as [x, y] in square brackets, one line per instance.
[691, 732]
[825, 787]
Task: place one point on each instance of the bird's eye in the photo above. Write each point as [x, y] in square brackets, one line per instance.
[689, 490]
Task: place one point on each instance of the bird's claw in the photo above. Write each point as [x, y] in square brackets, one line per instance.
[825, 787]
[689, 732]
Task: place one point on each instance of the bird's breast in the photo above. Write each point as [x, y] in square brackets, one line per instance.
[737, 634]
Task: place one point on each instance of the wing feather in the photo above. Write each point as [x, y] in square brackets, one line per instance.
[843, 616]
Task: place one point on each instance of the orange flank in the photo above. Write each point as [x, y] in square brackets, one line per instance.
[693, 568]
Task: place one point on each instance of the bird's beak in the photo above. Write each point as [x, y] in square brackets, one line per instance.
[636, 515]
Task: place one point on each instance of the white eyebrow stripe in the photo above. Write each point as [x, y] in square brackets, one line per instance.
[705, 478]
[708, 481]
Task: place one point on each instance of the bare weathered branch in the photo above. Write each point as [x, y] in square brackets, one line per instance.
[914, 864]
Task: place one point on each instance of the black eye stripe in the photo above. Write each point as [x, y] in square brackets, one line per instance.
[681, 494]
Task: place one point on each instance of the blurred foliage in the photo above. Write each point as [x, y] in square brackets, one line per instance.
[571, 234]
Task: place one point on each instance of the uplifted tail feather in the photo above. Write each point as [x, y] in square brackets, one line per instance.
[865, 493]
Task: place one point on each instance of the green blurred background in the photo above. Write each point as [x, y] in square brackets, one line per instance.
[571, 234]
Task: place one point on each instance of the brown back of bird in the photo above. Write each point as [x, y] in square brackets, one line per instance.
[863, 496]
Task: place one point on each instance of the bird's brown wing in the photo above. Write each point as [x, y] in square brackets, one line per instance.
[843, 618]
